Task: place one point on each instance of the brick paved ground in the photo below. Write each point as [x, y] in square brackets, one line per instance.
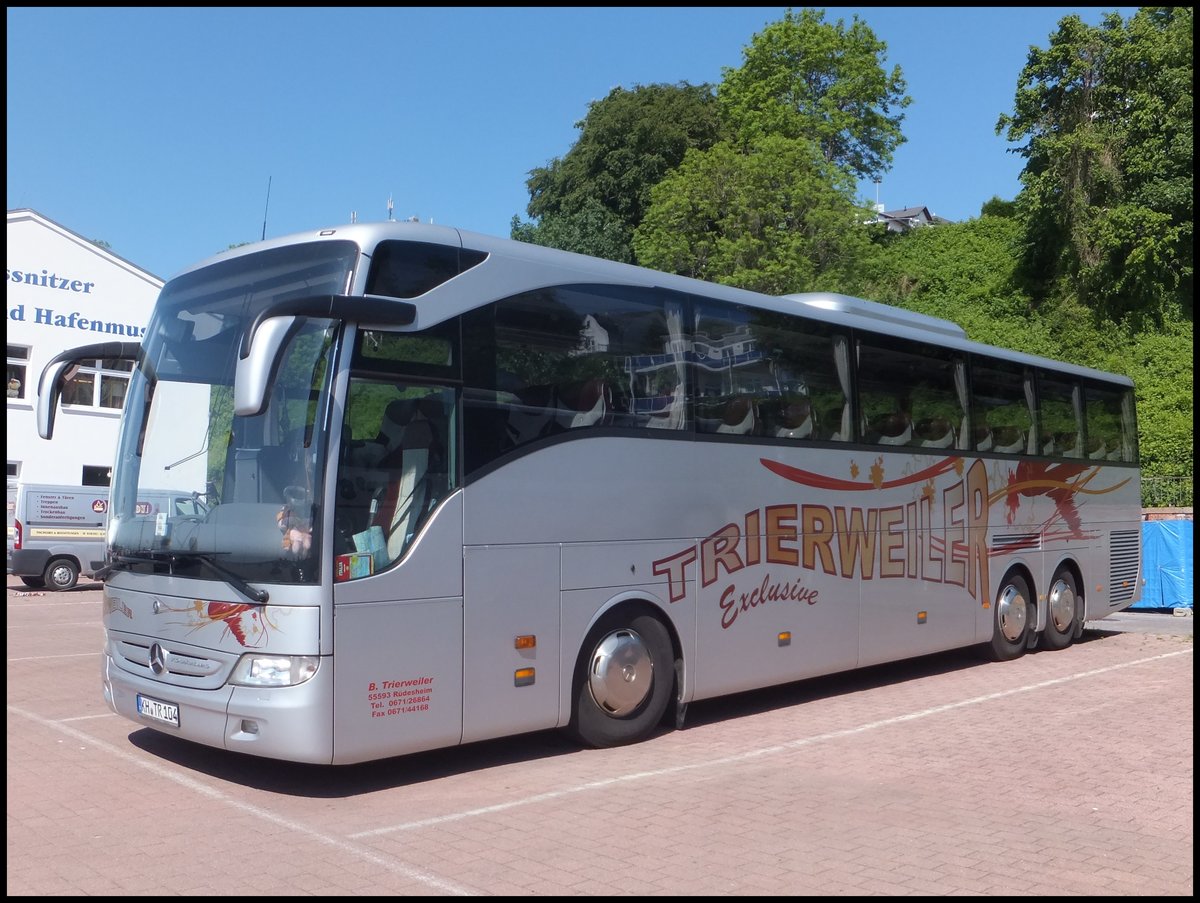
[1060, 773]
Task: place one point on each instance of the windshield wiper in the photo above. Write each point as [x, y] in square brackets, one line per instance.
[154, 556]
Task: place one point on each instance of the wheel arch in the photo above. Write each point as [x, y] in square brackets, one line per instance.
[626, 605]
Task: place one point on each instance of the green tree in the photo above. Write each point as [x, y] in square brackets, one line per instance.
[776, 219]
[628, 141]
[1103, 116]
[997, 206]
[804, 77]
[591, 229]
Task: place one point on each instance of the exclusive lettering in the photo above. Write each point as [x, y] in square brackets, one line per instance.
[733, 604]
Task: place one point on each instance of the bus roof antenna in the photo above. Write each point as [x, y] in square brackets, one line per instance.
[266, 207]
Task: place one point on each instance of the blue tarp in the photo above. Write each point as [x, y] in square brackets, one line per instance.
[1166, 564]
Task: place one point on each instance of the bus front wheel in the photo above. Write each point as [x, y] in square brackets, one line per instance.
[1013, 612]
[623, 681]
[1062, 610]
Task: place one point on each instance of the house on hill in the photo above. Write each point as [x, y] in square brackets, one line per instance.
[906, 219]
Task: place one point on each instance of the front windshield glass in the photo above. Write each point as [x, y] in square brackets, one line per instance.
[259, 478]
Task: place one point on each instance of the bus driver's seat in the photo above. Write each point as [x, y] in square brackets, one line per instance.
[408, 490]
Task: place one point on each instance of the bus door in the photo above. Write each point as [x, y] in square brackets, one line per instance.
[397, 572]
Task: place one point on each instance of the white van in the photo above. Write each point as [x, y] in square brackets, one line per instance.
[57, 533]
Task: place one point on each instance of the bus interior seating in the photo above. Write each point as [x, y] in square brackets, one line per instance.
[984, 439]
[531, 414]
[789, 417]
[584, 404]
[417, 471]
[1067, 445]
[1008, 440]
[838, 420]
[739, 417]
[893, 429]
[670, 417]
[935, 432]
[404, 499]
[1097, 449]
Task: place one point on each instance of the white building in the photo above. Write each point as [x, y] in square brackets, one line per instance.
[65, 291]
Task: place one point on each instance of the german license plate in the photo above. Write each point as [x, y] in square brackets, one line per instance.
[155, 710]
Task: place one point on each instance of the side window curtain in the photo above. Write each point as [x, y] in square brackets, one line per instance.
[1032, 445]
[964, 402]
[658, 375]
[1129, 434]
[841, 355]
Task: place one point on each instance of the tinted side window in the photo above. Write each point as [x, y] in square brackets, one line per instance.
[1001, 407]
[406, 269]
[768, 374]
[568, 358]
[1111, 430]
[1060, 416]
[911, 394]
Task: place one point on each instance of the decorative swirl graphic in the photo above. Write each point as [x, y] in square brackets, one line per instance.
[820, 481]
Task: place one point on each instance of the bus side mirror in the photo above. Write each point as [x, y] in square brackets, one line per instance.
[262, 343]
[255, 373]
[64, 366]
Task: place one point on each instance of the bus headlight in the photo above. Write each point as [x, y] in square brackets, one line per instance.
[273, 670]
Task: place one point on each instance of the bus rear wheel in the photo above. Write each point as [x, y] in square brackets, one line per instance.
[623, 681]
[1012, 614]
[1062, 604]
[61, 573]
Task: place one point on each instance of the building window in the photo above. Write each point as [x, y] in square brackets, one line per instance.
[100, 384]
[18, 369]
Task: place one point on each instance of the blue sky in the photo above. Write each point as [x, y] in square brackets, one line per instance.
[159, 130]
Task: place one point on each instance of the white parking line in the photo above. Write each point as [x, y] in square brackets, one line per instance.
[211, 793]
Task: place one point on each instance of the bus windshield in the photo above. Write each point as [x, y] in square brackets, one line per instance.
[260, 476]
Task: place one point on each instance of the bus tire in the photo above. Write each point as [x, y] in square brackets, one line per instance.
[61, 573]
[623, 681]
[1062, 605]
[35, 582]
[1012, 615]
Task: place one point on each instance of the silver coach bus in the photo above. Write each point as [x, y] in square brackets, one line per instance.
[460, 487]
